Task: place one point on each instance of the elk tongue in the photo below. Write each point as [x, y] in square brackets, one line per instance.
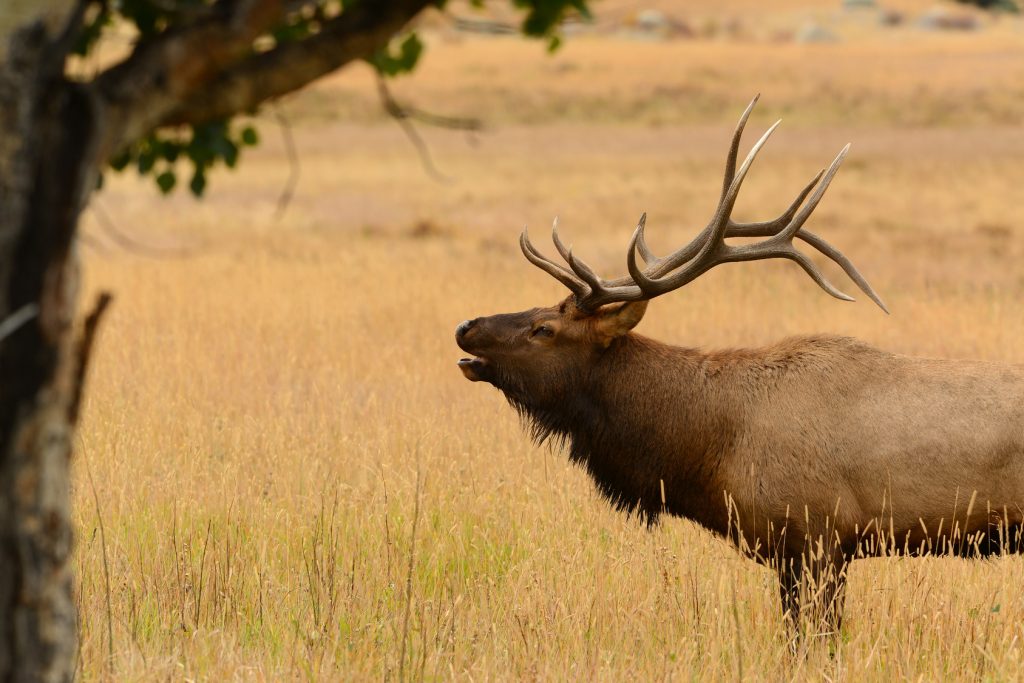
[471, 368]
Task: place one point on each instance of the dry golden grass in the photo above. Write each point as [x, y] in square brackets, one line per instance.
[293, 480]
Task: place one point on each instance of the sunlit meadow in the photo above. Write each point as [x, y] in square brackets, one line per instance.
[282, 474]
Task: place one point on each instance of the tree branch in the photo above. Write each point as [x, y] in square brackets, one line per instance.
[168, 69]
[206, 70]
[92, 322]
[17, 14]
[356, 33]
[293, 163]
[11, 323]
[403, 111]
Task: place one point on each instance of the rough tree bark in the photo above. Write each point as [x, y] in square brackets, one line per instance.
[55, 136]
[46, 167]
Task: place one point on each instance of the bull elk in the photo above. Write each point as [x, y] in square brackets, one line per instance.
[806, 454]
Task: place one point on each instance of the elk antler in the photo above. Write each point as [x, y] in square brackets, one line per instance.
[708, 249]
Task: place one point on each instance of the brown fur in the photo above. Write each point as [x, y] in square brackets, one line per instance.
[807, 453]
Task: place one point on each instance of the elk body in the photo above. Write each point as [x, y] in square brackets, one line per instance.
[807, 454]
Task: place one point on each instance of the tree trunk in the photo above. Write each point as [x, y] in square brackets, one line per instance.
[46, 172]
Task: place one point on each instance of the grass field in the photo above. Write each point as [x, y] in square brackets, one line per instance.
[282, 474]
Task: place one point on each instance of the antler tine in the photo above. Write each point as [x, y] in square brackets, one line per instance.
[575, 285]
[709, 249]
[766, 228]
[734, 147]
[765, 250]
[585, 272]
[657, 281]
[631, 265]
[795, 228]
[578, 266]
[721, 220]
[601, 291]
[780, 244]
[591, 290]
[690, 250]
[559, 245]
[645, 253]
[815, 274]
[637, 242]
[843, 262]
[710, 238]
[772, 227]
[812, 203]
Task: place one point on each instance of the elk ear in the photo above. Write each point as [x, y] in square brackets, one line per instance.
[618, 319]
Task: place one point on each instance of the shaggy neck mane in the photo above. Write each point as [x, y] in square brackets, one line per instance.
[650, 445]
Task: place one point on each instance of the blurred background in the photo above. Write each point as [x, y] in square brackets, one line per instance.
[295, 480]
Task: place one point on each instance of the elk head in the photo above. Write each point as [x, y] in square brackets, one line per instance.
[535, 356]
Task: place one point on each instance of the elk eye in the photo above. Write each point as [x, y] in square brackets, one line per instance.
[542, 331]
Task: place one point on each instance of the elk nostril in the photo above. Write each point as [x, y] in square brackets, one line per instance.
[464, 327]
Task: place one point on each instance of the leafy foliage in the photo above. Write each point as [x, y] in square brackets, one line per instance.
[998, 5]
[389, 63]
[209, 144]
[205, 146]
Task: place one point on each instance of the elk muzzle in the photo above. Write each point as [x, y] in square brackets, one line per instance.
[473, 368]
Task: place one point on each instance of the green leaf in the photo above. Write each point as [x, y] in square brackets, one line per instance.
[294, 32]
[412, 48]
[408, 56]
[581, 7]
[249, 136]
[121, 160]
[230, 154]
[91, 33]
[143, 14]
[543, 16]
[158, 153]
[198, 183]
[170, 151]
[166, 181]
[146, 159]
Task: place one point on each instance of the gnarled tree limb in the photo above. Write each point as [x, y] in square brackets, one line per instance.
[210, 71]
[163, 71]
[355, 34]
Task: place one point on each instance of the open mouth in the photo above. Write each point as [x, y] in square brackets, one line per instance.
[473, 368]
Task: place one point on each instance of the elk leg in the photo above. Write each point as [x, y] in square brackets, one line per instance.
[790, 579]
[833, 597]
[821, 585]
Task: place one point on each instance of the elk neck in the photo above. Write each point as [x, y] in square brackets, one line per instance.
[648, 418]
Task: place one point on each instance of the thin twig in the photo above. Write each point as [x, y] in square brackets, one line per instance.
[406, 115]
[202, 571]
[177, 565]
[736, 626]
[404, 111]
[408, 576]
[387, 526]
[91, 242]
[294, 167]
[490, 28]
[92, 322]
[129, 243]
[15, 320]
[106, 567]
[60, 47]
